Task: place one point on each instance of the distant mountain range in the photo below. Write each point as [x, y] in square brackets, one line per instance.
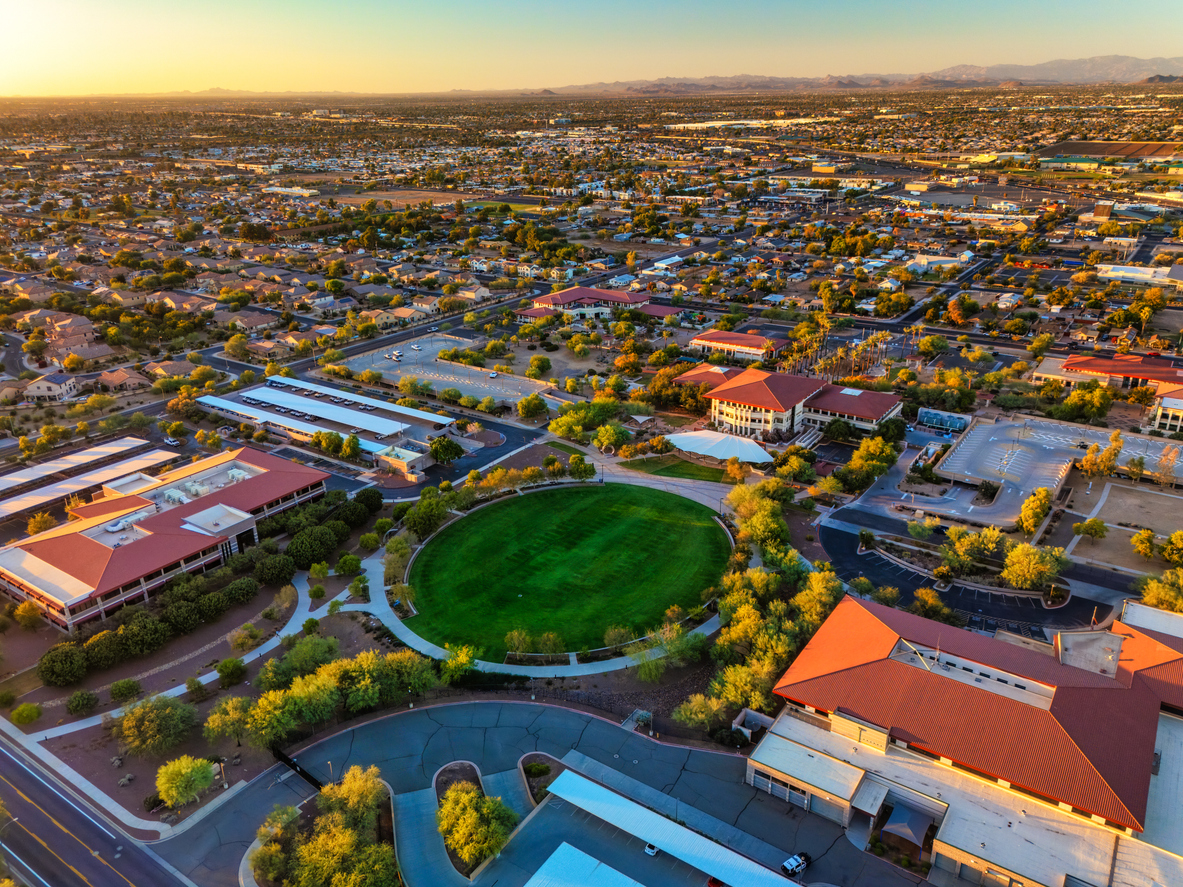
[1098, 69]
[1117, 69]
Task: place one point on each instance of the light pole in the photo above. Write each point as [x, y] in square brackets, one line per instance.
[2, 828]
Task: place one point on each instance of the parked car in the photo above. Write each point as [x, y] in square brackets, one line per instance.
[172, 441]
[651, 850]
[492, 375]
[796, 864]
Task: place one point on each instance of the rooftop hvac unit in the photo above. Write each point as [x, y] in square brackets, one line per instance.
[175, 497]
[196, 488]
[234, 475]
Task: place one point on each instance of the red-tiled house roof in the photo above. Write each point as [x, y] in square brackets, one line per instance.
[870, 405]
[1092, 748]
[1132, 366]
[768, 391]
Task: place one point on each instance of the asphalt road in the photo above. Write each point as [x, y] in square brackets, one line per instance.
[55, 842]
[842, 547]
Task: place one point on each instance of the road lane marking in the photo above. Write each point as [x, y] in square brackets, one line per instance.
[90, 849]
[33, 773]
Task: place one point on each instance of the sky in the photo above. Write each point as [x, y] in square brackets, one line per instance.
[84, 47]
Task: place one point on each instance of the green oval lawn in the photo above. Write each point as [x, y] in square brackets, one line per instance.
[573, 560]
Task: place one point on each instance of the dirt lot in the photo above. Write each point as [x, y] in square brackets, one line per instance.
[404, 197]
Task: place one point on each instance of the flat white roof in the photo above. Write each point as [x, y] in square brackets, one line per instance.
[409, 412]
[570, 867]
[42, 575]
[1142, 616]
[65, 463]
[277, 420]
[818, 770]
[678, 841]
[328, 411]
[98, 477]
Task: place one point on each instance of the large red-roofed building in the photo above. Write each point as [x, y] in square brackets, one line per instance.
[962, 730]
[141, 531]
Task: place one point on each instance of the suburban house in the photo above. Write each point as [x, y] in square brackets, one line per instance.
[269, 349]
[1012, 761]
[52, 387]
[380, 317]
[123, 380]
[141, 531]
[744, 346]
[426, 304]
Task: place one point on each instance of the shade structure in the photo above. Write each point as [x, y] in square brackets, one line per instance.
[719, 446]
[909, 824]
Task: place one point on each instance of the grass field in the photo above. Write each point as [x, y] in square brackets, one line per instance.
[672, 466]
[565, 448]
[573, 561]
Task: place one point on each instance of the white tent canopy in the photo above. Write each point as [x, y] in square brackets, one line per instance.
[719, 446]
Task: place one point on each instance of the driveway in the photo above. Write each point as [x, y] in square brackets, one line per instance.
[410, 746]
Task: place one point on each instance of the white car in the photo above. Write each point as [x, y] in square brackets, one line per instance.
[651, 850]
[416, 348]
[172, 441]
[492, 375]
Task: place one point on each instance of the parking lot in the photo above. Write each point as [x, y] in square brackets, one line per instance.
[421, 363]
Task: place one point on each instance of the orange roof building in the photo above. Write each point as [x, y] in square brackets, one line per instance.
[956, 726]
[141, 531]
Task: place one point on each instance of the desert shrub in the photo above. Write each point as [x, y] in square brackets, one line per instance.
[105, 650]
[370, 541]
[26, 713]
[231, 671]
[62, 664]
[316, 592]
[153, 726]
[536, 769]
[125, 690]
[277, 569]
[245, 638]
[7, 698]
[196, 689]
[371, 498]
[241, 591]
[212, 606]
[82, 702]
[348, 565]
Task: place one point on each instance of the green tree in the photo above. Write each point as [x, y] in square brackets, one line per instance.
[579, 468]
[445, 450]
[1172, 549]
[1037, 506]
[927, 603]
[272, 719]
[474, 827]
[230, 718]
[40, 522]
[1143, 543]
[461, 660]
[231, 671]
[932, 346]
[27, 615]
[532, 406]
[154, 725]
[1165, 592]
[1094, 528]
[356, 797]
[1033, 568]
[183, 780]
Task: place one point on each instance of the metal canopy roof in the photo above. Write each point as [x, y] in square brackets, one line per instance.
[45, 495]
[409, 412]
[570, 867]
[678, 841]
[65, 463]
[330, 412]
[261, 416]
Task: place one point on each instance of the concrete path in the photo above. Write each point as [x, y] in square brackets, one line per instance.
[422, 856]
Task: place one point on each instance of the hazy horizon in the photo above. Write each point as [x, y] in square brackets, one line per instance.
[369, 46]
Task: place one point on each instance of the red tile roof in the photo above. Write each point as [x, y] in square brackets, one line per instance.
[872, 405]
[768, 391]
[589, 295]
[707, 374]
[167, 541]
[1134, 366]
[738, 340]
[1092, 749]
